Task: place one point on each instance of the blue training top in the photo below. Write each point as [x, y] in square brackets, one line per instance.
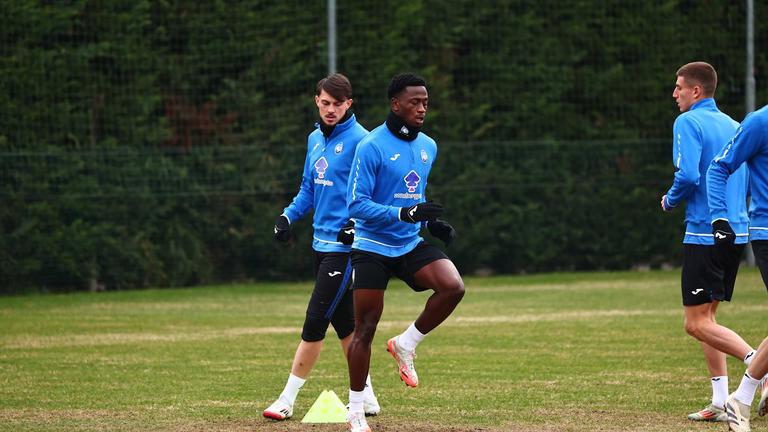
[699, 135]
[324, 183]
[750, 145]
[389, 173]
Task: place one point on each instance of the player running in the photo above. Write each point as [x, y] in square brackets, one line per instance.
[750, 145]
[386, 197]
[709, 272]
[330, 149]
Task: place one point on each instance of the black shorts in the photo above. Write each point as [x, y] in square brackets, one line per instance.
[760, 249]
[373, 270]
[709, 273]
[331, 300]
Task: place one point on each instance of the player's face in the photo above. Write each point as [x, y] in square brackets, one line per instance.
[684, 94]
[331, 109]
[411, 105]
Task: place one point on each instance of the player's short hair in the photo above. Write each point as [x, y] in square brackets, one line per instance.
[700, 73]
[402, 80]
[336, 85]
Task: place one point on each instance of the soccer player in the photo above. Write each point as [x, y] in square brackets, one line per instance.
[386, 197]
[709, 273]
[750, 145]
[330, 150]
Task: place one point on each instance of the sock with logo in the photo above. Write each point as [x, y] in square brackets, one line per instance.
[291, 389]
[746, 391]
[410, 338]
[356, 399]
[719, 390]
[748, 358]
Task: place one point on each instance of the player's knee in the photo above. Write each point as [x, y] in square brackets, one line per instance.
[695, 328]
[315, 328]
[456, 288]
[365, 331]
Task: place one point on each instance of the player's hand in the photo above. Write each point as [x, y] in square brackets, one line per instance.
[282, 229]
[346, 234]
[442, 230]
[665, 204]
[723, 232]
[425, 211]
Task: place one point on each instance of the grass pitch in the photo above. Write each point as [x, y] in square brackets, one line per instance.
[560, 352]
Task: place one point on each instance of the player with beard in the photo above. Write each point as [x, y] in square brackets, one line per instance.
[330, 149]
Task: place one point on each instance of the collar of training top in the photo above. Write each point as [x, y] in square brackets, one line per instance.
[397, 126]
[328, 130]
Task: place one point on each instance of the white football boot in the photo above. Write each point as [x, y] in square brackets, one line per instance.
[279, 410]
[357, 423]
[738, 415]
[404, 359]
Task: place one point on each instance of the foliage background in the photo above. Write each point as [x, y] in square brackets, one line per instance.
[152, 143]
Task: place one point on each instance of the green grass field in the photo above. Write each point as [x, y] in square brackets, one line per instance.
[560, 352]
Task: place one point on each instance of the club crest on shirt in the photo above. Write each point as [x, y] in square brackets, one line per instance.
[320, 166]
[339, 147]
[412, 180]
[424, 156]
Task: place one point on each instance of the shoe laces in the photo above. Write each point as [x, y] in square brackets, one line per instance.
[408, 357]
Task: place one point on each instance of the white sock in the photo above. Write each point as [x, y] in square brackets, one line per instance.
[719, 390]
[410, 338]
[748, 358]
[291, 389]
[746, 391]
[368, 390]
[356, 399]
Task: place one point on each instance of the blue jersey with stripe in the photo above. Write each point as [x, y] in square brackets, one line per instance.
[699, 134]
[324, 183]
[388, 173]
[750, 145]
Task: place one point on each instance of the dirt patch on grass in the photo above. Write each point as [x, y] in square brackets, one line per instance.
[565, 420]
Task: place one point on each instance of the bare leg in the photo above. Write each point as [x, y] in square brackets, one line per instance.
[759, 366]
[701, 324]
[305, 358]
[442, 277]
[369, 304]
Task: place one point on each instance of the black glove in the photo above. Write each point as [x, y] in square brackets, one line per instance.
[346, 234]
[442, 230]
[425, 211]
[723, 233]
[282, 229]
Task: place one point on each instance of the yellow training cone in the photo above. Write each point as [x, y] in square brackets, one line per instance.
[328, 408]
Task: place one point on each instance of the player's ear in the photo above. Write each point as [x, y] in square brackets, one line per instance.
[394, 105]
[697, 91]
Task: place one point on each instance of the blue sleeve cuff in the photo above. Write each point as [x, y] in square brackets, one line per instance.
[668, 205]
[394, 213]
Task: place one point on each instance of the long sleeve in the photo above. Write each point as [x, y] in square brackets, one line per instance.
[361, 187]
[741, 147]
[305, 198]
[686, 155]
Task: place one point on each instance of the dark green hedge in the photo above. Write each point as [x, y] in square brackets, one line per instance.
[152, 143]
